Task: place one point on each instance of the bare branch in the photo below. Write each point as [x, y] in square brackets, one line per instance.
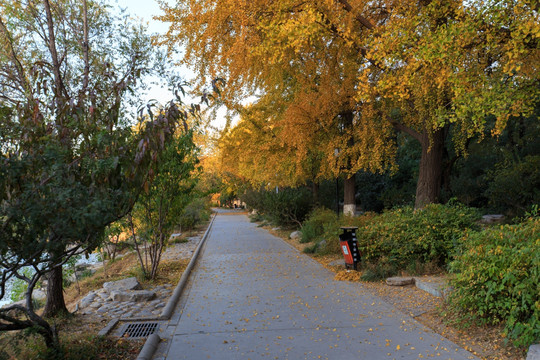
[85, 50]
[362, 20]
[20, 70]
[59, 85]
[399, 126]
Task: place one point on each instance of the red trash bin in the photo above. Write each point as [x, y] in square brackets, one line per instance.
[349, 246]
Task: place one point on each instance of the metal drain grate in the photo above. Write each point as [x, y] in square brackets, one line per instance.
[138, 330]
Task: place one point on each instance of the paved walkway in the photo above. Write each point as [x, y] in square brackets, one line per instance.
[253, 296]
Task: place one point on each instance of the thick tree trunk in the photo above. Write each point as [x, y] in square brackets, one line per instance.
[431, 169]
[55, 296]
[349, 198]
[315, 193]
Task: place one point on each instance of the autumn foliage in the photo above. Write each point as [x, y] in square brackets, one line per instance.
[347, 75]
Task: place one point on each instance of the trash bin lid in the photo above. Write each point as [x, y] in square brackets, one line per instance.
[349, 227]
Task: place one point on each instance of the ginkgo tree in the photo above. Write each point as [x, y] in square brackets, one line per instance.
[307, 96]
[442, 68]
[359, 71]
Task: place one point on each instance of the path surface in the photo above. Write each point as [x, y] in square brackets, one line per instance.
[253, 296]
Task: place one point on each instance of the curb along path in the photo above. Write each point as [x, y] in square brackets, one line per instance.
[151, 344]
[253, 296]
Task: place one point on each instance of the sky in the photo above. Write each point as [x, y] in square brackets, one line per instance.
[146, 9]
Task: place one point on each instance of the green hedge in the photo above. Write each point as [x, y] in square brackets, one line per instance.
[498, 279]
[399, 239]
[403, 239]
[319, 221]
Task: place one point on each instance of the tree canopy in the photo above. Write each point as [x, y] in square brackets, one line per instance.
[431, 69]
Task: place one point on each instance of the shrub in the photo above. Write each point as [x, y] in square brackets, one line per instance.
[319, 221]
[194, 213]
[288, 206]
[402, 238]
[498, 279]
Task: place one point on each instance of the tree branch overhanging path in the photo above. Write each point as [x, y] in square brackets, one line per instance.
[435, 70]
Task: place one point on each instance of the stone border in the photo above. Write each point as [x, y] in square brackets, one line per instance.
[152, 342]
[173, 300]
[109, 327]
[149, 348]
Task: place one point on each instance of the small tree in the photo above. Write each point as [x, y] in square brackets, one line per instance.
[69, 162]
[165, 195]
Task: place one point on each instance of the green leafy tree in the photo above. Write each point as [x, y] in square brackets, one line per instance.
[69, 162]
[166, 193]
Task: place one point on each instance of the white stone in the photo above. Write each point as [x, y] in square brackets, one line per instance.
[490, 219]
[133, 295]
[39, 294]
[87, 300]
[124, 284]
[295, 235]
[349, 209]
[433, 285]
[534, 352]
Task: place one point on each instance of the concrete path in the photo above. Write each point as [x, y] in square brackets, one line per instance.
[253, 296]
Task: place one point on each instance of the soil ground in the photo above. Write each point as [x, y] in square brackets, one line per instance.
[78, 331]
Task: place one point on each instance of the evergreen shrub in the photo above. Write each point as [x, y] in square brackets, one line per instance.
[320, 221]
[498, 279]
[402, 238]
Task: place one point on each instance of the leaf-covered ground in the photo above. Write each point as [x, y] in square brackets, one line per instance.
[484, 342]
[78, 332]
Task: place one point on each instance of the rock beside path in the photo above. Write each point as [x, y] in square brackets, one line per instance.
[534, 352]
[126, 299]
[132, 295]
[295, 235]
[127, 303]
[121, 285]
[399, 281]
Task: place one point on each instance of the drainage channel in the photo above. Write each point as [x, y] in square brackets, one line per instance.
[138, 330]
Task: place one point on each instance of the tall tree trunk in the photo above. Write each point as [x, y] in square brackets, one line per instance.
[315, 193]
[349, 198]
[55, 296]
[430, 174]
[349, 185]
